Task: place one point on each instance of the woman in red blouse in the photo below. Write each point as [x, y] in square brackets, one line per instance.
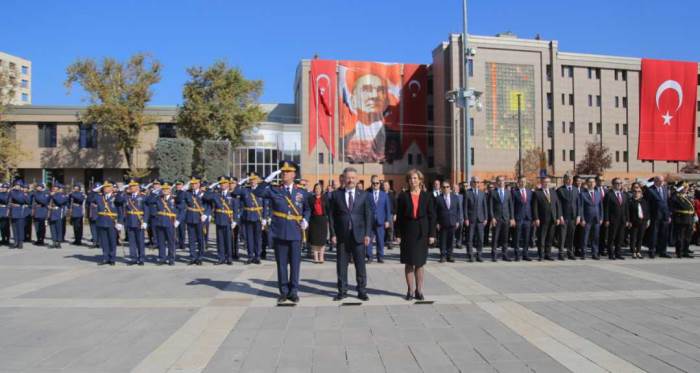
[415, 229]
[318, 226]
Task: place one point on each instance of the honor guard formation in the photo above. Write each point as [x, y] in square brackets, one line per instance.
[583, 218]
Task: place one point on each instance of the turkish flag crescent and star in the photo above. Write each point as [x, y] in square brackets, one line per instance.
[322, 103]
[667, 110]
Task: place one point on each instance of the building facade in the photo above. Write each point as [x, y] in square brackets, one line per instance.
[19, 72]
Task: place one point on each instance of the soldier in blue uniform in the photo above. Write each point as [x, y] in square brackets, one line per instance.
[107, 223]
[28, 190]
[91, 207]
[204, 186]
[224, 208]
[136, 217]
[251, 217]
[18, 203]
[290, 214]
[167, 220]
[57, 214]
[75, 210]
[4, 215]
[196, 214]
[151, 199]
[266, 238]
[181, 230]
[40, 212]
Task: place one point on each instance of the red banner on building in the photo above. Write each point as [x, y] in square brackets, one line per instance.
[322, 104]
[667, 110]
[415, 114]
[369, 124]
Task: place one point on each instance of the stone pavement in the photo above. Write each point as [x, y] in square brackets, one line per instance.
[59, 312]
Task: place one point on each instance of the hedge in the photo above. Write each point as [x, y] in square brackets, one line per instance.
[174, 157]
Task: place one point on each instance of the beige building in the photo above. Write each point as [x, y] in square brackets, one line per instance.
[58, 146]
[567, 101]
[19, 71]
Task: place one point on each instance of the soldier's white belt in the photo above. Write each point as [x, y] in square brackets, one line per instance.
[287, 216]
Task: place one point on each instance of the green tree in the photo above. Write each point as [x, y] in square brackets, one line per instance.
[117, 94]
[10, 151]
[596, 160]
[219, 103]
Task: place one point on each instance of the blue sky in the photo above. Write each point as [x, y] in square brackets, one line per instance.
[266, 39]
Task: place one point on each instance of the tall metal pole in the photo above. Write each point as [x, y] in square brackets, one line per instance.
[520, 141]
[465, 86]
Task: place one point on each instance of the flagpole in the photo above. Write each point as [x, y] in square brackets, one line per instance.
[316, 109]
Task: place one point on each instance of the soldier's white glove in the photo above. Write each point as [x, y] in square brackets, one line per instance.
[119, 227]
[144, 226]
[243, 180]
[176, 224]
[204, 218]
[272, 176]
[304, 224]
[264, 222]
[233, 225]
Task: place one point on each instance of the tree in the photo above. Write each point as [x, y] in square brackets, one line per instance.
[118, 94]
[533, 161]
[219, 104]
[596, 160]
[10, 151]
[174, 158]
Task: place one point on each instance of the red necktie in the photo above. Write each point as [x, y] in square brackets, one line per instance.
[619, 199]
[523, 195]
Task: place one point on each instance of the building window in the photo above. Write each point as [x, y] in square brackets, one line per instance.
[410, 158]
[471, 126]
[571, 127]
[624, 129]
[167, 130]
[419, 159]
[25, 83]
[571, 99]
[590, 128]
[590, 73]
[617, 156]
[47, 135]
[624, 75]
[698, 131]
[472, 156]
[470, 67]
[572, 155]
[430, 86]
[25, 97]
[617, 101]
[550, 157]
[597, 74]
[549, 101]
[617, 72]
[431, 138]
[624, 156]
[597, 100]
[563, 98]
[431, 161]
[320, 158]
[563, 155]
[624, 102]
[598, 128]
[550, 129]
[25, 70]
[590, 100]
[698, 105]
[563, 127]
[617, 128]
[567, 71]
[88, 136]
[549, 72]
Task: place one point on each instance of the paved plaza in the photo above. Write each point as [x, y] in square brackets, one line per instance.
[60, 312]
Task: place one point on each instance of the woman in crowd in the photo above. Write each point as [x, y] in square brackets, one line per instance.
[639, 217]
[318, 226]
[415, 230]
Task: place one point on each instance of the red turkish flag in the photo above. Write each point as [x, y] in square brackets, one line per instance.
[322, 103]
[415, 115]
[667, 110]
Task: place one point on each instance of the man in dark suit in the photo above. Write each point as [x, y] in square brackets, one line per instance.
[658, 196]
[449, 218]
[500, 207]
[350, 215]
[591, 217]
[570, 206]
[522, 213]
[381, 216]
[547, 213]
[476, 217]
[616, 216]
[578, 232]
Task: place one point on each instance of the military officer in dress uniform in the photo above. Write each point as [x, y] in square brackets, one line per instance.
[107, 223]
[251, 217]
[167, 220]
[4, 215]
[136, 217]
[181, 230]
[224, 209]
[75, 209]
[40, 212]
[57, 213]
[196, 214]
[290, 215]
[28, 190]
[18, 203]
[150, 200]
[91, 202]
[266, 239]
[682, 216]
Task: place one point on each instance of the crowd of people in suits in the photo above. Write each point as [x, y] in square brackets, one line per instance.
[580, 218]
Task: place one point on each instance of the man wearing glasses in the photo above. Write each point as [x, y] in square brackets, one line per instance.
[475, 217]
[381, 213]
[449, 219]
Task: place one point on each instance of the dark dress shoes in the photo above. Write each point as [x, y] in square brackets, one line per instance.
[339, 296]
[363, 297]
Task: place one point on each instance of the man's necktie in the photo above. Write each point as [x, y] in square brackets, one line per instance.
[351, 201]
[619, 199]
[523, 195]
[447, 201]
